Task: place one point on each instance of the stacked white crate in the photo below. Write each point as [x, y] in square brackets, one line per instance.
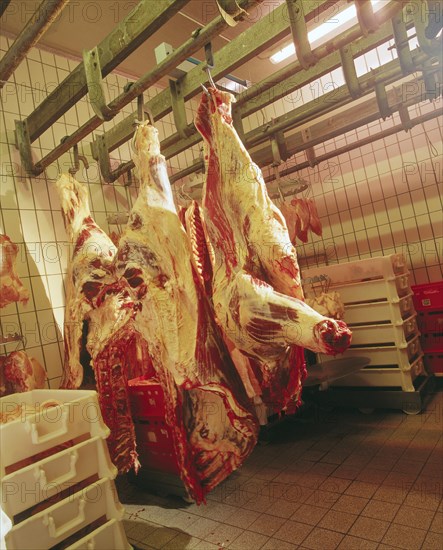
[31, 483]
[380, 312]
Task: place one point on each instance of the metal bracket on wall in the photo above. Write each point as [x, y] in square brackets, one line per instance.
[94, 81]
[299, 31]
[179, 110]
[238, 122]
[278, 148]
[23, 144]
[402, 44]
[419, 12]
[349, 71]
[366, 18]
[429, 78]
[382, 100]
[402, 110]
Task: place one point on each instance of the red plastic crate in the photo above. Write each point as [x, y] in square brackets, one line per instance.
[431, 342]
[428, 296]
[430, 321]
[163, 460]
[154, 432]
[147, 398]
[434, 363]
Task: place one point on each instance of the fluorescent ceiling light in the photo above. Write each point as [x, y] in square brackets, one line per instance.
[322, 30]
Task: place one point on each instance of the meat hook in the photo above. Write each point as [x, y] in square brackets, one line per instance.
[211, 82]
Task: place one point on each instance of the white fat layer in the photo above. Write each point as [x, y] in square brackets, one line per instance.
[98, 246]
[170, 309]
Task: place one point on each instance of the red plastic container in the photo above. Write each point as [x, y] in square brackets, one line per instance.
[154, 437]
[434, 363]
[147, 398]
[428, 296]
[432, 342]
[430, 321]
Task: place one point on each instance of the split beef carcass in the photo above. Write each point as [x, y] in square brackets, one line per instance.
[11, 288]
[96, 297]
[257, 294]
[206, 406]
[148, 297]
[21, 373]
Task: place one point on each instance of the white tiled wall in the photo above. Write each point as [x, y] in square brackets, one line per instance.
[374, 200]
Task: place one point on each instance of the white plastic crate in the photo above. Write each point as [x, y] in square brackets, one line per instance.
[401, 356]
[44, 479]
[387, 333]
[374, 312]
[376, 289]
[109, 536]
[78, 414]
[384, 377]
[379, 267]
[58, 522]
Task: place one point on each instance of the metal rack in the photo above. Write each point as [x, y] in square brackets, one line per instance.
[293, 132]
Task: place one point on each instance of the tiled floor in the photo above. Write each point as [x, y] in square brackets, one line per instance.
[339, 479]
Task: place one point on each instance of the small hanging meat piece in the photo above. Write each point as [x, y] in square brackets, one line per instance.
[11, 288]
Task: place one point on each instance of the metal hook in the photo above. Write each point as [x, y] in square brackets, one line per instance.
[211, 81]
[77, 158]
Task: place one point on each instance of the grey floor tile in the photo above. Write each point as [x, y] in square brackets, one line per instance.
[369, 528]
[277, 544]
[160, 537]
[323, 499]
[433, 541]
[361, 489]
[322, 538]
[404, 537]
[283, 508]
[293, 532]
[309, 514]
[420, 499]
[202, 527]
[223, 535]
[354, 543]
[267, 524]
[351, 504]
[379, 509]
[437, 523]
[242, 518]
[335, 484]
[249, 541]
[414, 517]
[182, 541]
[337, 521]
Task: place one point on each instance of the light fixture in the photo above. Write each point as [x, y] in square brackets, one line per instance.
[319, 32]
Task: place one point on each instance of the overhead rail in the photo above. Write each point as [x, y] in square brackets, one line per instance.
[258, 96]
[392, 21]
[38, 24]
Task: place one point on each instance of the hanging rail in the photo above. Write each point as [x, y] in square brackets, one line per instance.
[174, 144]
[257, 96]
[76, 84]
[34, 29]
[253, 41]
[346, 121]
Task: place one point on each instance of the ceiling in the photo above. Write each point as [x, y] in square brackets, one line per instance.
[83, 25]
